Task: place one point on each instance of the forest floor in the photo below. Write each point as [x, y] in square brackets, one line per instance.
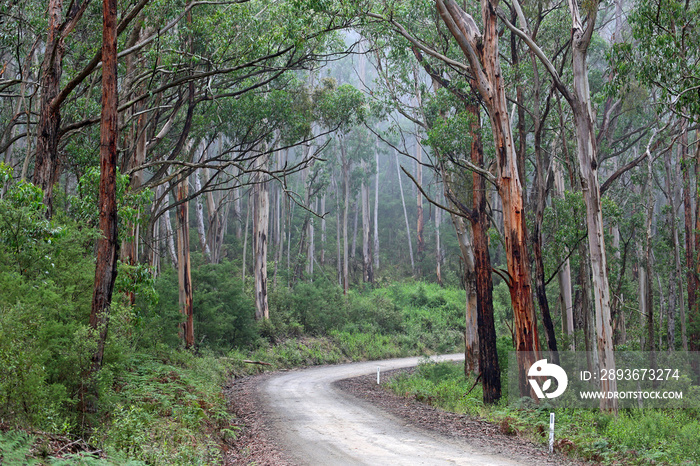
[259, 441]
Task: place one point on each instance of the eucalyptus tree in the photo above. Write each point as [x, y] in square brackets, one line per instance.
[481, 52]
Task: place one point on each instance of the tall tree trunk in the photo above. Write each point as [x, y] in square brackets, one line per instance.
[649, 296]
[438, 247]
[260, 227]
[311, 253]
[345, 164]
[488, 356]
[471, 331]
[405, 214]
[356, 210]
[694, 264]
[322, 257]
[376, 204]
[483, 55]
[367, 272]
[106, 261]
[564, 273]
[245, 235]
[676, 243]
[170, 236]
[420, 221]
[183, 265]
[199, 215]
[541, 200]
[584, 121]
[46, 165]
[673, 275]
[338, 249]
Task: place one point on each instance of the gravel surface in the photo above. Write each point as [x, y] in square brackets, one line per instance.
[259, 441]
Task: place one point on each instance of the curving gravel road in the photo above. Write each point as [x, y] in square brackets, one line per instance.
[315, 423]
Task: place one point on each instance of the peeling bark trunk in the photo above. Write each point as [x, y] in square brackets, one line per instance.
[107, 246]
[488, 356]
[184, 266]
[483, 56]
[46, 165]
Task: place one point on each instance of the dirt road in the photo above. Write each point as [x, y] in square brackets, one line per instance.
[315, 423]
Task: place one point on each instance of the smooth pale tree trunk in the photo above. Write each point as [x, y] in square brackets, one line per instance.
[199, 217]
[322, 257]
[471, 331]
[438, 248]
[261, 214]
[420, 221]
[218, 213]
[170, 238]
[405, 214]
[585, 311]
[482, 52]
[137, 139]
[367, 272]
[245, 235]
[106, 261]
[338, 249]
[584, 122]
[564, 273]
[376, 204]
[184, 273]
[311, 255]
[356, 210]
[345, 164]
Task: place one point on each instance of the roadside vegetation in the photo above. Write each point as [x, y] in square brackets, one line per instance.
[159, 403]
[634, 437]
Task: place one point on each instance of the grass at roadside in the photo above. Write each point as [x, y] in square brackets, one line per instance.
[633, 437]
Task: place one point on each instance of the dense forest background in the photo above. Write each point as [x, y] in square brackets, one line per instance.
[203, 183]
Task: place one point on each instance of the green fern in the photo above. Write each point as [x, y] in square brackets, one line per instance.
[15, 449]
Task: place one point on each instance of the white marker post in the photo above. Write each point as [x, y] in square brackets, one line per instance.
[377, 375]
[551, 432]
